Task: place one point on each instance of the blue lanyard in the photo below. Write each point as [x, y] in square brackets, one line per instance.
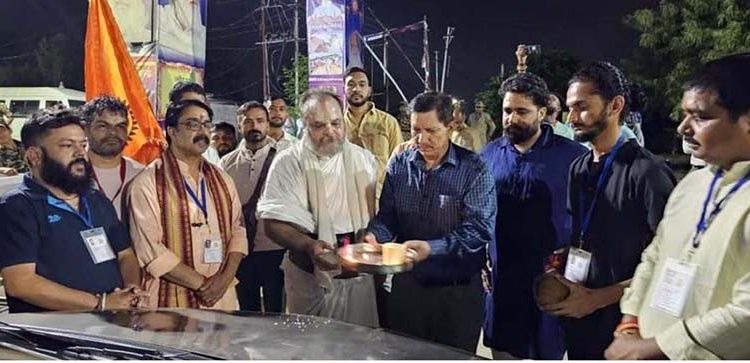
[202, 202]
[705, 222]
[601, 184]
[85, 217]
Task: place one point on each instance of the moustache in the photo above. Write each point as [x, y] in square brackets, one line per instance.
[514, 128]
[77, 161]
[254, 135]
[199, 138]
[690, 140]
[115, 139]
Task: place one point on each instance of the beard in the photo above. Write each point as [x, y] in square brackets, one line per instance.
[224, 149]
[277, 122]
[326, 147]
[61, 176]
[518, 134]
[591, 132]
[106, 147]
[254, 136]
[350, 100]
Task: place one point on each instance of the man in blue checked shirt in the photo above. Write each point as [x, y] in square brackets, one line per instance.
[439, 200]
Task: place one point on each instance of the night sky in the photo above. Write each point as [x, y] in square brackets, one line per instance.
[486, 35]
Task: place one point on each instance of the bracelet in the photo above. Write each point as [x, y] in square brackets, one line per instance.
[104, 302]
[626, 326]
[629, 319]
[98, 306]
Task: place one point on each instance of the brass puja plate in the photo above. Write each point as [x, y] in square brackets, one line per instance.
[365, 258]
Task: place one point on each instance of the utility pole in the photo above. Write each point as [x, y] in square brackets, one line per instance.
[385, 62]
[437, 68]
[426, 55]
[264, 47]
[448, 38]
[296, 53]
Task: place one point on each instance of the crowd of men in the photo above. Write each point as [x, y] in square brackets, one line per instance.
[555, 237]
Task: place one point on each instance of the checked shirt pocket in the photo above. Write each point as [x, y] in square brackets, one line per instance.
[449, 207]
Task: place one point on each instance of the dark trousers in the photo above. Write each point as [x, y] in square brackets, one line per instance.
[450, 315]
[381, 298]
[260, 270]
[587, 338]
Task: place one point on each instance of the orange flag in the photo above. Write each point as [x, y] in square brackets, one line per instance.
[109, 70]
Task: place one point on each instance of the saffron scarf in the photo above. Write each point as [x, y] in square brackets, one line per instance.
[175, 221]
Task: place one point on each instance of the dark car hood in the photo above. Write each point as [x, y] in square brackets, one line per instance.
[242, 335]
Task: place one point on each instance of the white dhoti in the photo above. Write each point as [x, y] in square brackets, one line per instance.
[307, 192]
[351, 300]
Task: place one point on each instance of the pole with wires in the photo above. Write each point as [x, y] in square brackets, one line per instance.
[426, 54]
[264, 45]
[296, 53]
[448, 38]
[382, 66]
[437, 68]
[385, 77]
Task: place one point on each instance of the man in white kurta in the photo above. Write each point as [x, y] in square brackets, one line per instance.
[319, 194]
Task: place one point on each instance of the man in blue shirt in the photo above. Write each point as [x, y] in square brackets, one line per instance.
[63, 247]
[530, 166]
[438, 200]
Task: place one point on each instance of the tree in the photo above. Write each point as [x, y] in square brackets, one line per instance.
[489, 97]
[58, 58]
[554, 66]
[288, 82]
[678, 36]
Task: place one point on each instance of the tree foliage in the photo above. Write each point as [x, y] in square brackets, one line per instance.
[679, 35]
[554, 66]
[489, 97]
[55, 59]
[288, 82]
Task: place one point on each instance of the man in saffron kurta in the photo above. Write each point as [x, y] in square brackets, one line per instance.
[185, 219]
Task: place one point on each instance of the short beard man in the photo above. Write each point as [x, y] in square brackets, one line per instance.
[254, 136]
[63, 177]
[518, 134]
[583, 134]
[107, 147]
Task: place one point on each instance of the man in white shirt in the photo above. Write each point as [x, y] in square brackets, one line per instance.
[278, 115]
[248, 166]
[106, 129]
[688, 299]
[320, 192]
[481, 122]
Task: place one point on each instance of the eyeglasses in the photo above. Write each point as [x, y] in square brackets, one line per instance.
[197, 125]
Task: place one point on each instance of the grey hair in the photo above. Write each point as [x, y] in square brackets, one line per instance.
[317, 95]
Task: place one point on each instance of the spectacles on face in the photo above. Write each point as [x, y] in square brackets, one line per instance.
[194, 125]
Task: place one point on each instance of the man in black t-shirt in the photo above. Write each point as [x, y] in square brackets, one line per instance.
[616, 195]
[63, 247]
